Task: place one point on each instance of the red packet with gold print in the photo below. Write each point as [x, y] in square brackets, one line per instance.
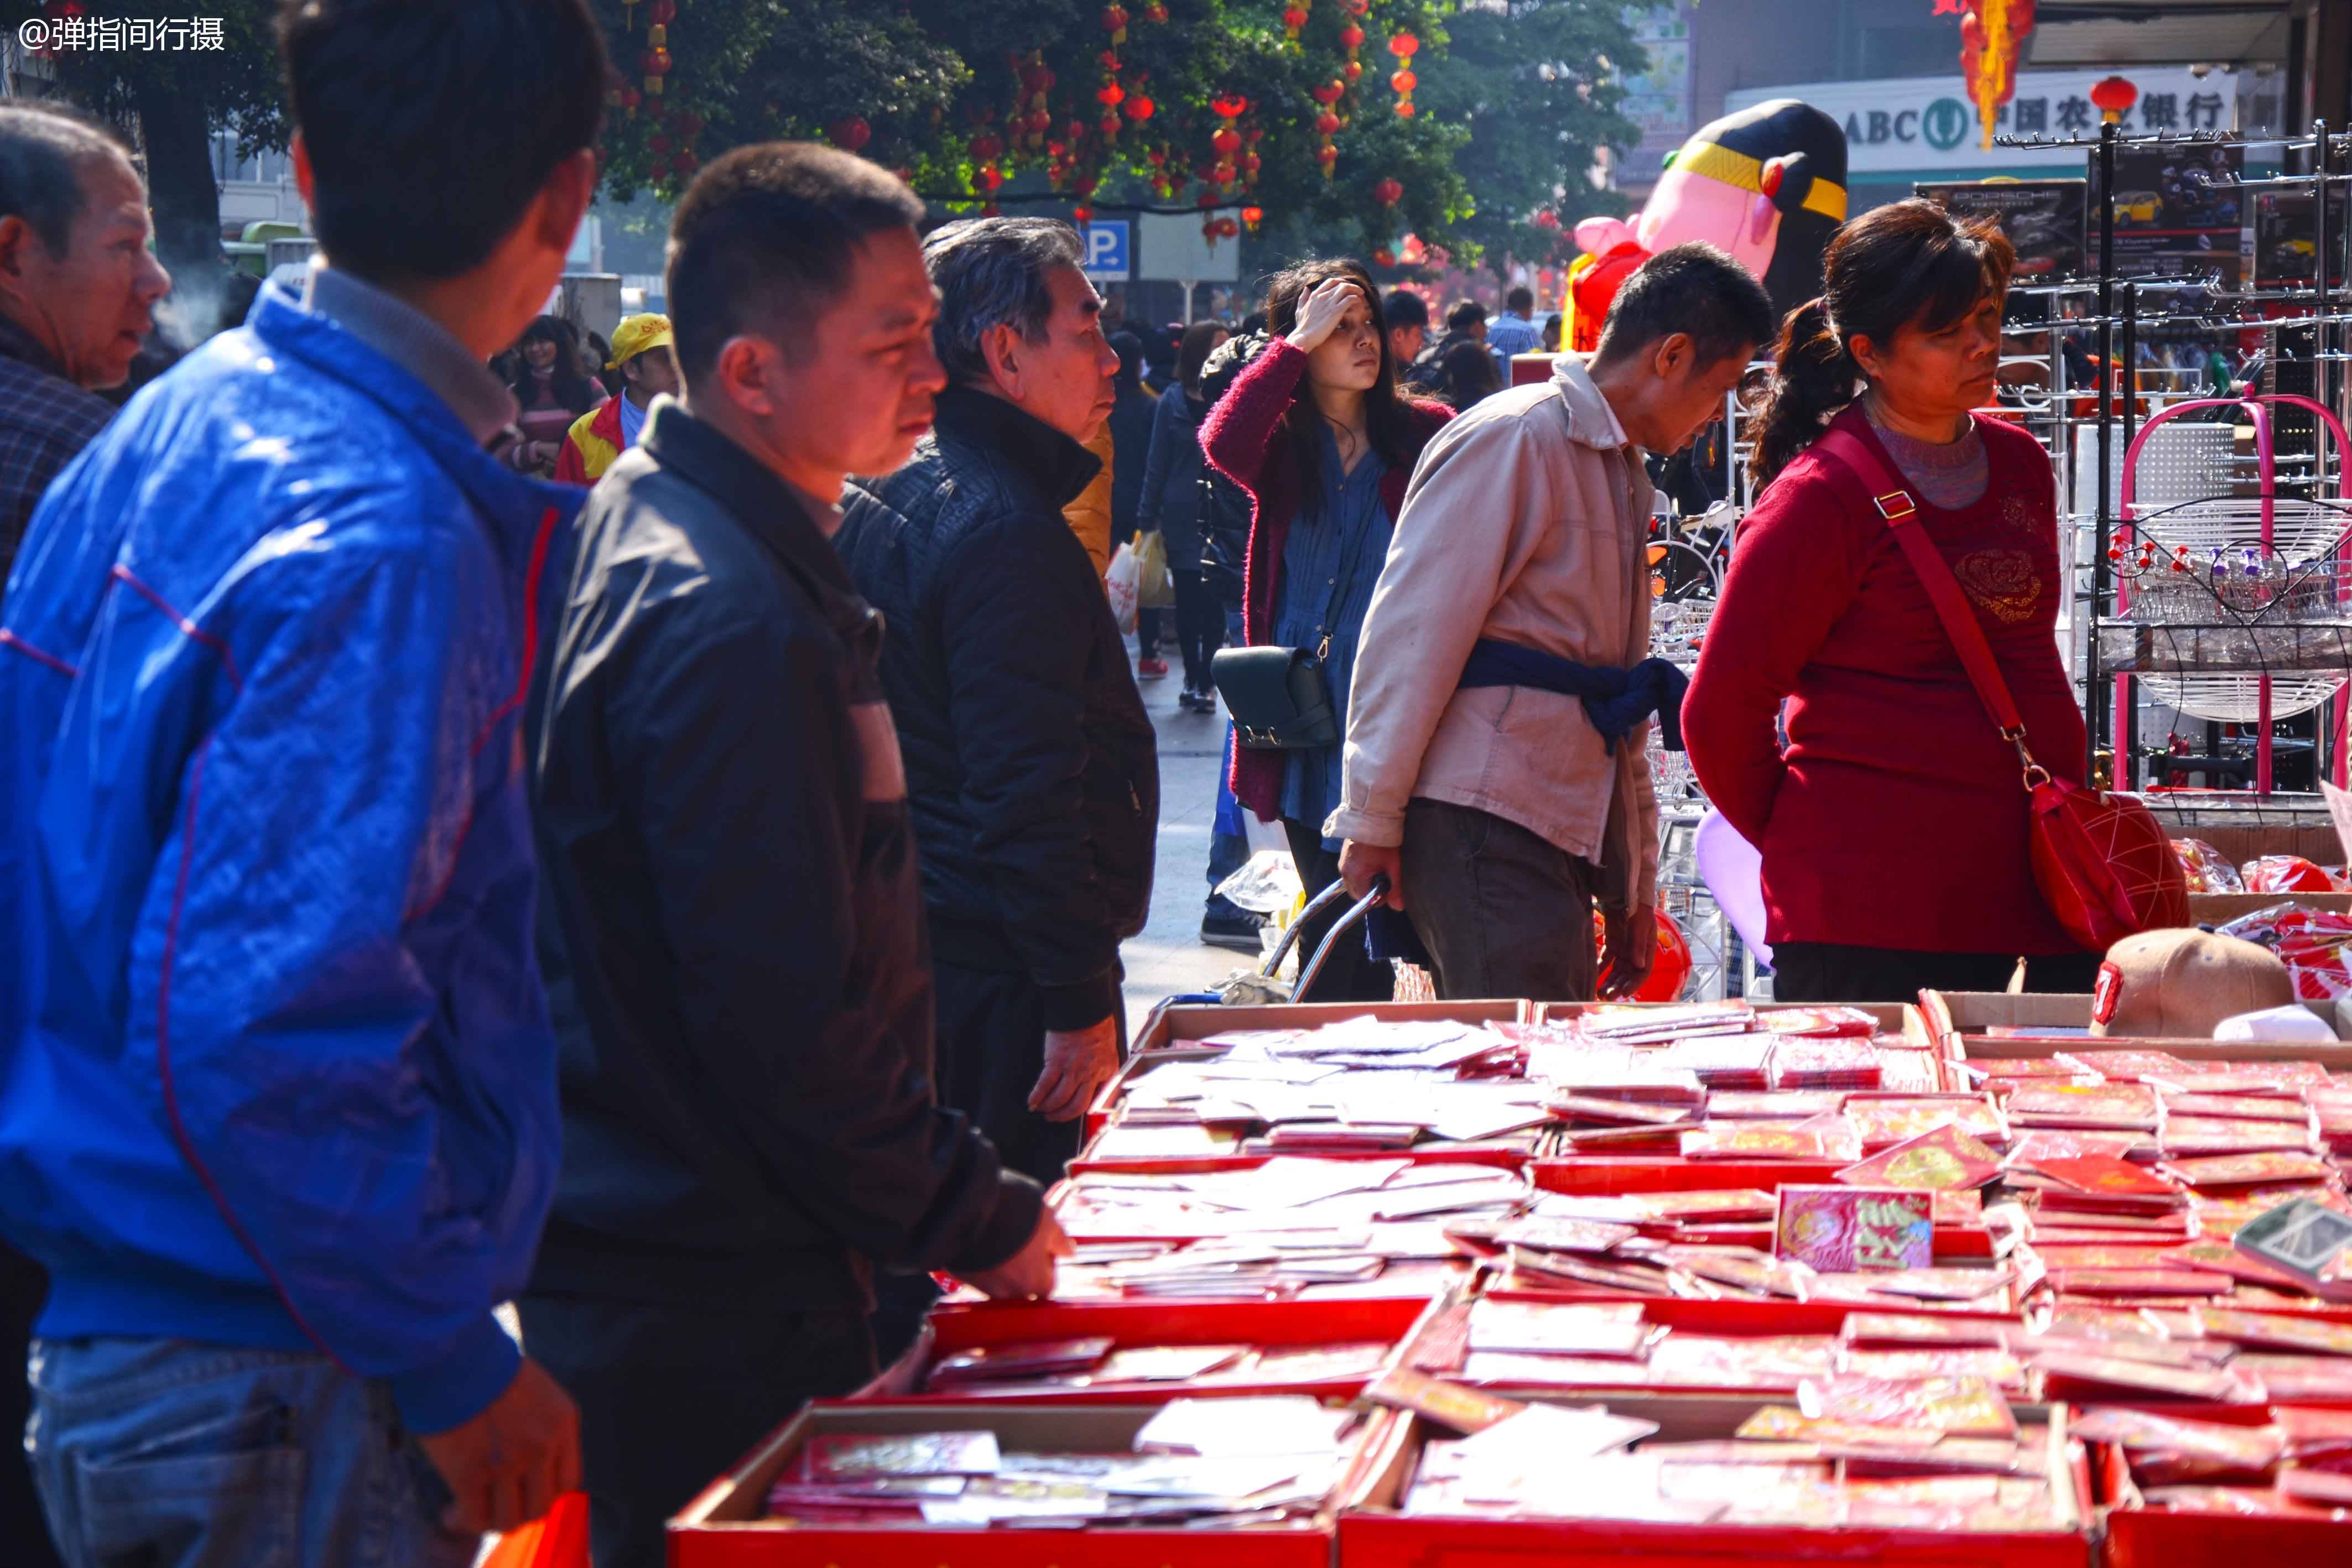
[1944, 1158]
[1838, 1230]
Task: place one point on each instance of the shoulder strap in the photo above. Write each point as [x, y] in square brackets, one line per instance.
[1894, 503]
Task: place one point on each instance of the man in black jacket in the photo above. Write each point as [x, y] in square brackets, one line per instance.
[1030, 762]
[742, 984]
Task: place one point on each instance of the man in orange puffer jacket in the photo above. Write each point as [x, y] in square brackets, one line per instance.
[642, 353]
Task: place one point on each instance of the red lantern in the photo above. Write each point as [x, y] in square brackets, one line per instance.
[2114, 98]
[1083, 215]
[1327, 122]
[1138, 109]
[662, 13]
[655, 63]
[1227, 228]
[988, 178]
[1352, 37]
[1357, 7]
[986, 147]
[1253, 216]
[1226, 141]
[1110, 95]
[687, 162]
[658, 167]
[1292, 18]
[1404, 82]
[1114, 21]
[1155, 12]
[1404, 45]
[1383, 257]
[1330, 93]
[1229, 108]
[1389, 192]
[1547, 219]
[657, 142]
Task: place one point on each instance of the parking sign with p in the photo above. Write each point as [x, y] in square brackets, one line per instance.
[1106, 249]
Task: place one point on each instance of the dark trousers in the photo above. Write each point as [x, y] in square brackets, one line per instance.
[991, 1047]
[1503, 911]
[24, 1530]
[671, 1396]
[1199, 627]
[1147, 630]
[1349, 975]
[1833, 972]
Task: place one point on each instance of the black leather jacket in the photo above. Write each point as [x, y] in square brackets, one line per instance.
[1031, 765]
[731, 925]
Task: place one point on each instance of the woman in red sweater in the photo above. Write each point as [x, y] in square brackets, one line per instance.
[1316, 432]
[1892, 825]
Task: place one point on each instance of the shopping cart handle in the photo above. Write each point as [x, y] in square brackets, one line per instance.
[1314, 905]
[1340, 927]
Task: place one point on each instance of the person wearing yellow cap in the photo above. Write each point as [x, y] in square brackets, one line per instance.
[642, 352]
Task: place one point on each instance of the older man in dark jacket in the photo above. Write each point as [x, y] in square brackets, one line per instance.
[1030, 762]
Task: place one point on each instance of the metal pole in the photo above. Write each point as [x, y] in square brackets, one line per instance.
[2127, 730]
[2099, 576]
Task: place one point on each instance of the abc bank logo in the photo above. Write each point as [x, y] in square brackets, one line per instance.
[1945, 125]
[1942, 125]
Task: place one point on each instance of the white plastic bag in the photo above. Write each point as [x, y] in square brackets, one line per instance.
[1122, 579]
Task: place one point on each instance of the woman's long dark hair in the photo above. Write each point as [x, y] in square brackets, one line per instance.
[1906, 263]
[1192, 352]
[1386, 411]
[573, 390]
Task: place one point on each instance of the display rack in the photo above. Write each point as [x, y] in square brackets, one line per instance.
[2281, 628]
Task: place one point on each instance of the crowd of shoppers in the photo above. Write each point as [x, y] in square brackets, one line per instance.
[724, 931]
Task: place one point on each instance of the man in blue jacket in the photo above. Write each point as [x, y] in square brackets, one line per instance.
[278, 1103]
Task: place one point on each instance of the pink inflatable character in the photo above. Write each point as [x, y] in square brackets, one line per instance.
[1767, 185]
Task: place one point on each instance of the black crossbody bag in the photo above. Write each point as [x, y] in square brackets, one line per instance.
[1278, 696]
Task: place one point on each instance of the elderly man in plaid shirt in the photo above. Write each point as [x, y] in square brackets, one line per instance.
[78, 293]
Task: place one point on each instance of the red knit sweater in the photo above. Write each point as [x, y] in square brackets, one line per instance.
[1239, 439]
[1897, 818]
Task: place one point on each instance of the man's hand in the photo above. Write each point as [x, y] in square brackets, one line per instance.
[1078, 1062]
[508, 1464]
[1629, 946]
[1359, 863]
[1030, 1271]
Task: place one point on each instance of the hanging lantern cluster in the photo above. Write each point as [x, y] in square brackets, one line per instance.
[1226, 141]
[1251, 136]
[655, 64]
[1404, 45]
[1351, 40]
[1110, 95]
[1992, 37]
[1327, 122]
[1031, 118]
[1293, 18]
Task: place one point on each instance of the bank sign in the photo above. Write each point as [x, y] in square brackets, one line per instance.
[1925, 128]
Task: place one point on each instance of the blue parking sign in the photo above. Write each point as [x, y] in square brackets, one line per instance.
[1106, 249]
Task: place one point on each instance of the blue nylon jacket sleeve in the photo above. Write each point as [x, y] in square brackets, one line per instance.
[305, 1067]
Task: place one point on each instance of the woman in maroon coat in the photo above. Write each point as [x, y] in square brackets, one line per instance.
[1893, 826]
[1318, 434]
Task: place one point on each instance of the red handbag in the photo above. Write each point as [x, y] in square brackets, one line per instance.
[2104, 866]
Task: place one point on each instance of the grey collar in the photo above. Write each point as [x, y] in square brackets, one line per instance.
[417, 344]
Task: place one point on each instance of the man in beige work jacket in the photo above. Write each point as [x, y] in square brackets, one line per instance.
[1493, 769]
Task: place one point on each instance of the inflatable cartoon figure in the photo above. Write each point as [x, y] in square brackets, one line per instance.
[1766, 185]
